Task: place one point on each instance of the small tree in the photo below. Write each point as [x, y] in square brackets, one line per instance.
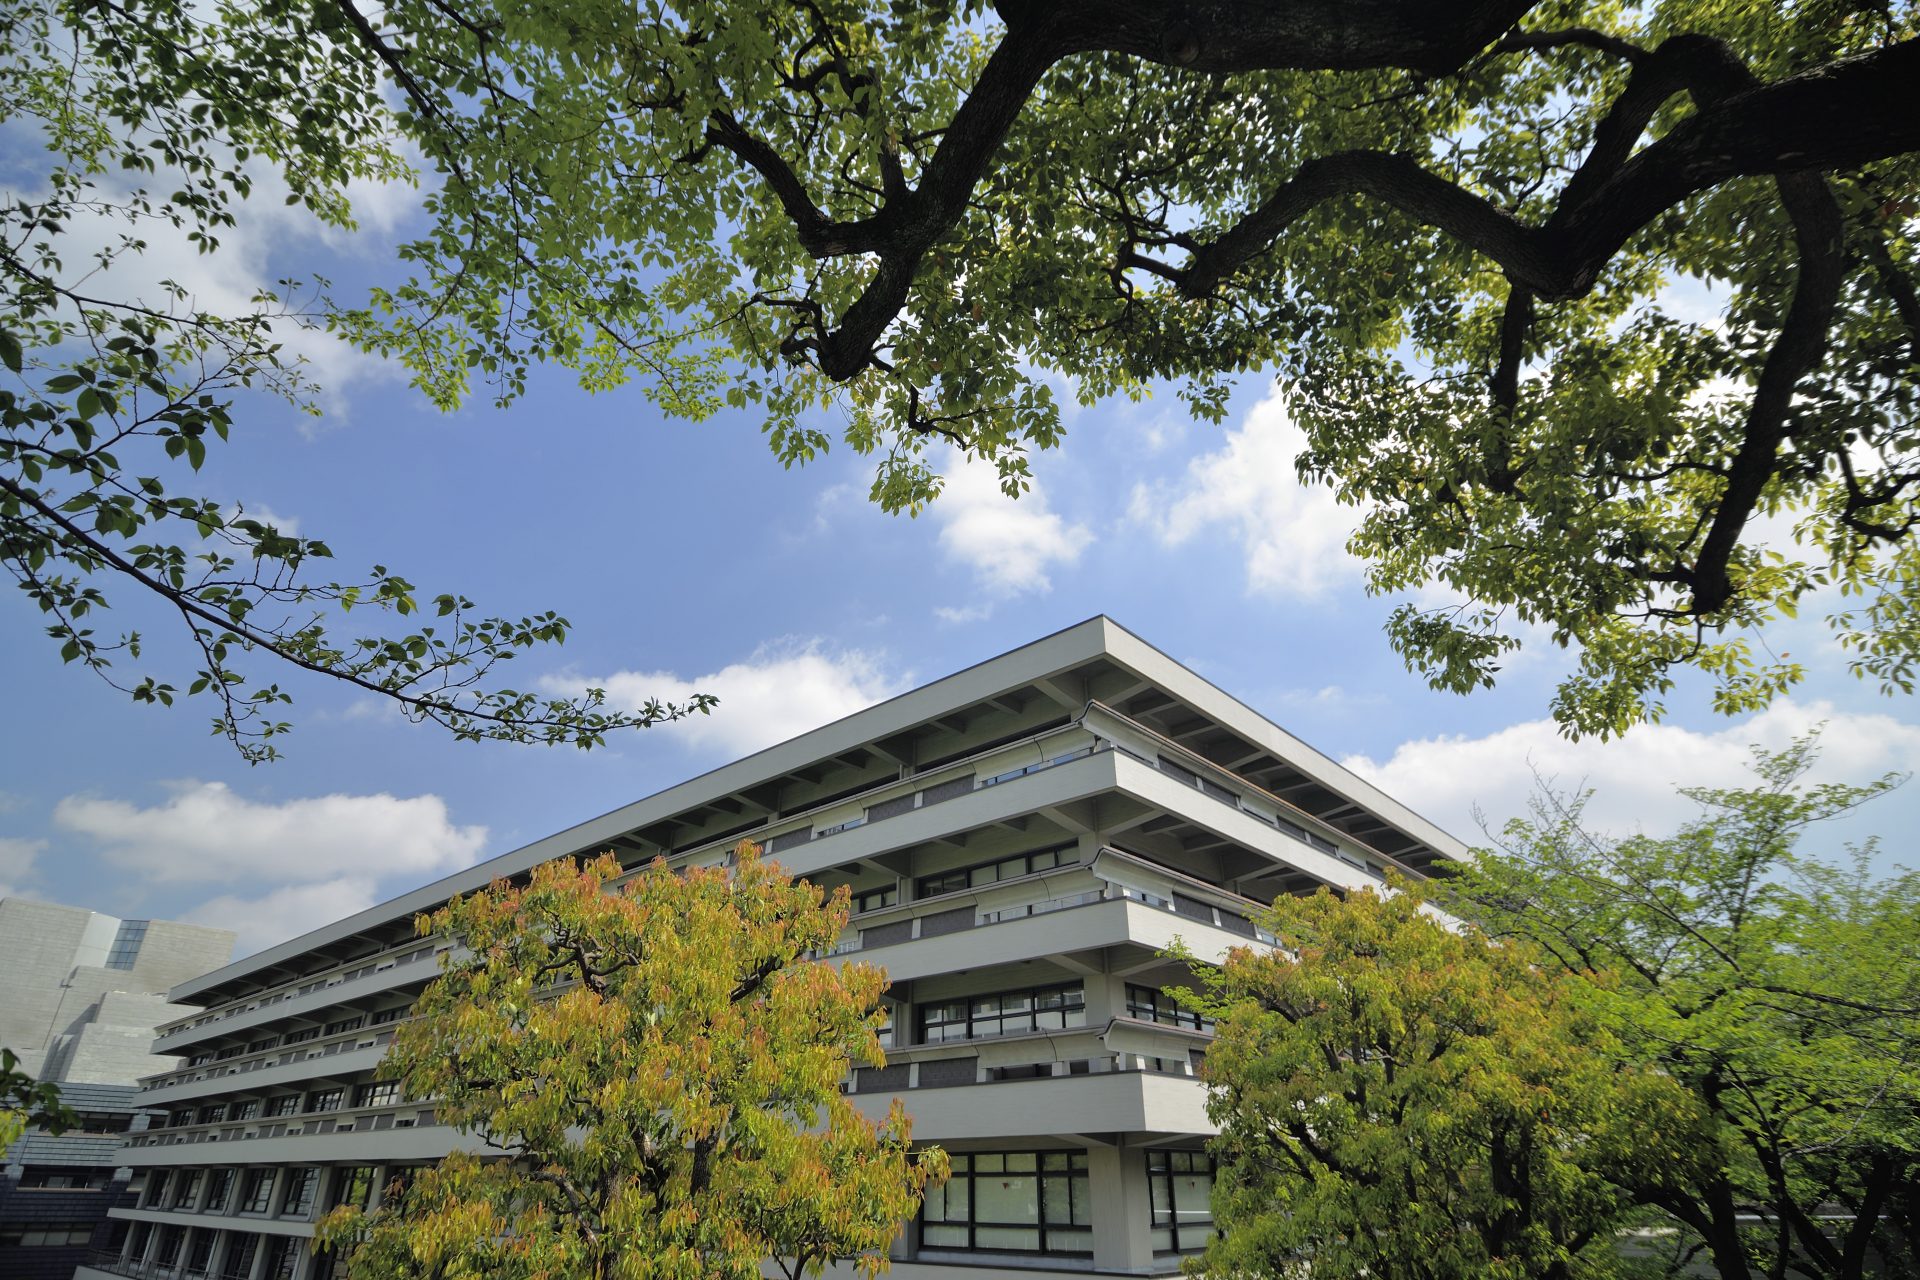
[1781, 991]
[658, 1067]
[28, 1103]
[1402, 1100]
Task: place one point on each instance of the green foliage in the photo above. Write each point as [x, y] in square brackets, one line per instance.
[1569, 296]
[158, 117]
[1403, 1100]
[28, 1103]
[655, 1070]
[1781, 991]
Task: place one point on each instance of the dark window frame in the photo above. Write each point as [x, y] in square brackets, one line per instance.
[1051, 1168]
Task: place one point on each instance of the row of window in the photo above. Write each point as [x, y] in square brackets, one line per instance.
[164, 1248]
[1054, 1008]
[336, 1028]
[984, 873]
[1039, 1202]
[374, 1093]
[56, 1235]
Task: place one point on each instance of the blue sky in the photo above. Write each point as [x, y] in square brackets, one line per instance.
[688, 559]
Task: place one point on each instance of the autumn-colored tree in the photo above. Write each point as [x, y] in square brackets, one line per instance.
[654, 1069]
[1400, 1099]
[1782, 991]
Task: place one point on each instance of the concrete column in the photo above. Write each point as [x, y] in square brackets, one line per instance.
[1120, 1212]
[1106, 998]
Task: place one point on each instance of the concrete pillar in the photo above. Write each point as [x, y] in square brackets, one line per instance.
[1106, 999]
[1117, 1179]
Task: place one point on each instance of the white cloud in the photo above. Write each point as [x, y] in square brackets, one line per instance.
[17, 857]
[289, 526]
[205, 832]
[1633, 778]
[786, 688]
[959, 617]
[1011, 544]
[284, 913]
[1293, 537]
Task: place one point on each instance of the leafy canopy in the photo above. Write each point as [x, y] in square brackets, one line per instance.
[654, 1069]
[1454, 232]
[158, 120]
[1403, 1100]
[1780, 990]
[28, 1103]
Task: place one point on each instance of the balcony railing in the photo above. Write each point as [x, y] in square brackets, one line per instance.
[372, 1119]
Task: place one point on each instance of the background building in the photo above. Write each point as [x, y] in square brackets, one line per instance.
[82, 995]
[1022, 839]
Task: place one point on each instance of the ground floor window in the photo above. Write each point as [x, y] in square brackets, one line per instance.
[239, 1262]
[1181, 1187]
[1019, 1201]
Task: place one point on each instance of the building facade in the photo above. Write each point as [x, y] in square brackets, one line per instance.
[83, 994]
[1022, 840]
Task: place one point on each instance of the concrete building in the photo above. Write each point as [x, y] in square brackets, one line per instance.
[1021, 838]
[82, 995]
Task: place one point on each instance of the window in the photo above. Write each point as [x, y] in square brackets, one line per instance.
[325, 1099]
[1019, 1201]
[156, 1187]
[219, 1191]
[125, 952]
[284, 1105]
[1180, 1186]
[385, 1016]
[1150, 1004]
[244, 1110]
[256, 1195]
[283, 1257]
[345, 1025]
[261, 1046]
[301, 1037]
[352, 1186]
[1004, 1013]
[239, 1263]
[171, 1238]
[186, 1188]
[213, 1114]
[65, 1178]
[200, 1253]
[378, 1093]
[990, 872]
[876, 899]
[57, 1235]
[298, 1197]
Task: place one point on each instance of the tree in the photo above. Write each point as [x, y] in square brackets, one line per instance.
[1781, 991]
[1403, 1100]
[150, 128]
[28, 1103]
[655, 1070]
[1450, 228]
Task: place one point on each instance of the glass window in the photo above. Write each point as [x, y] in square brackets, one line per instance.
[283, 1257]
[345, 1025]
[171, 1238]
[1004, 1013]
[186, 1187]
[125, 951]
[875, 899]
[200, 1253]
[325, 1099]
[298, 1197]
[246, 1109]
[156, 1188]
[995, 871]
[378, 1093]
[256, 1195]
[219, 1190]
[1013, 1201]
[352, 1186]
[1180, 1186]
[284, 1105]
[239, 1262]
[1150, 1004]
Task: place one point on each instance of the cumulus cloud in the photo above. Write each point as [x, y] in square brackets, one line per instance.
[1010, 544]
[17, 857]
[786, 688]
[205, 832]
[284, 913]
[1448, 779]
[1292, 537]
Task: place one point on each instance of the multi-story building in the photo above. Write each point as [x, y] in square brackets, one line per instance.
[83, 993]
[1022, 840]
